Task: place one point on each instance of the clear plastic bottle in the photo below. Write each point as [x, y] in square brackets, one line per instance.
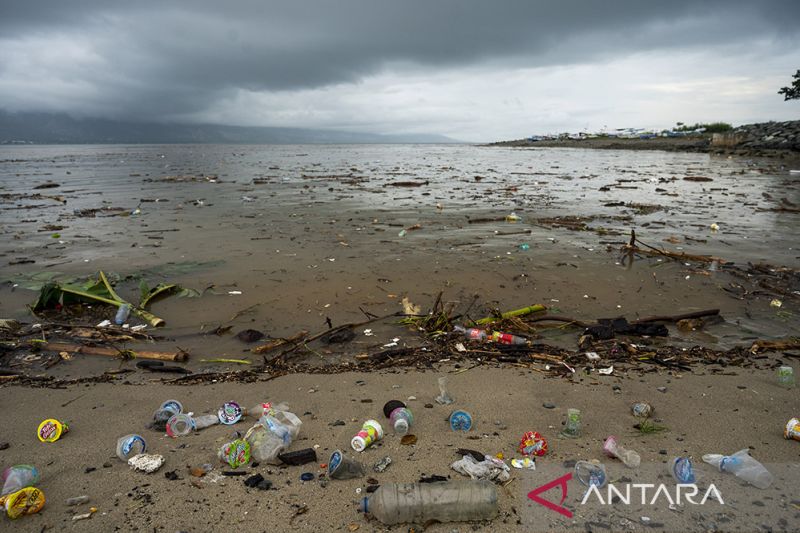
[473, 334]
[507, 338]
[273, 434]
[401, 419]
[451, 501]
[742, 466]
[18, 477]
[181, 424]
[122, 314]
[612, 448]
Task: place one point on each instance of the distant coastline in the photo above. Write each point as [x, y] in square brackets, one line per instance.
[767, 139]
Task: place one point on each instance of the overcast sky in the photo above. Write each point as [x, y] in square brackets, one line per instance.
[473, 70]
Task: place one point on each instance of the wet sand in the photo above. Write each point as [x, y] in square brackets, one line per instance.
[280, 238]
[703, 413]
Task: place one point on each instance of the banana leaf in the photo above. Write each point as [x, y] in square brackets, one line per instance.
[98, 291]
[147, 294]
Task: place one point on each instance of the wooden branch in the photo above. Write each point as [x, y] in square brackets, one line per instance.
[111, 352]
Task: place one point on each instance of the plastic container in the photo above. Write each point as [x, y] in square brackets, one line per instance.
[682, 470]
[371, 432]
[591, 474]
[401, 420]
[51, 430]
[642, 409]
[341, 466]
[420, 503]
[786, 377]
[572, 426]
[122, 314]
[182, 424]
[742, 466]
[236, 453]
[130, 445]
[444, 397]
[18, 477]
[612, 448]
[165, 412]
[460, 420]
[272, 435]
[473, 334]
[230, 413]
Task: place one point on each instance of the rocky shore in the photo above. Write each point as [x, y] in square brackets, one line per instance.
[767, 139]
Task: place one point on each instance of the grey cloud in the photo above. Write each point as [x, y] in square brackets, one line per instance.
[175, 58]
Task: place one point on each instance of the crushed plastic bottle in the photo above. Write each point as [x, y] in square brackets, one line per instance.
[419, 503]
[591, 474]
[612, 448]
[742, 466]
[273, 434]
[682, 470]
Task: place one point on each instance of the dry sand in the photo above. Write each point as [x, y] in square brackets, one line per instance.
[704, 413]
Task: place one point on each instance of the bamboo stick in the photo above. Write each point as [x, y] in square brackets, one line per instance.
[111, 352]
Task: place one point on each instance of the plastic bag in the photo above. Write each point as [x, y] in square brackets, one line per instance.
[273, 434]
[490, 469]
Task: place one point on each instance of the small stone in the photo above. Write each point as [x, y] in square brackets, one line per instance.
[548, 405]
[172, 476]
[662, 452]
[569, 463]
[4, 445]
[742, 387]
[249, 335]
[107, 464]
[337, 423]
[89, 469]
[428, 406]
[661, 389]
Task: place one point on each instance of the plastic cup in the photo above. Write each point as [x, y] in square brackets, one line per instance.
[591, 474]
[401, 420]
[572, 428]
[179, 425]
[460, 420]
[51, 430]
[370, 433]
[235, 453]
[130, 445]
[682, 470]
[230, 413]
[165, 412]
[786, 376]
[792, 430]
[342, 467]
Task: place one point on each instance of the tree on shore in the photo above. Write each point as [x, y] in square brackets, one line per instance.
[793, 92]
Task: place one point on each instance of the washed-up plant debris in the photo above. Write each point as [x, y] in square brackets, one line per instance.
[54, 294]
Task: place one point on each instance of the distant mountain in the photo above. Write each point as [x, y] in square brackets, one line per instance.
[60, 128]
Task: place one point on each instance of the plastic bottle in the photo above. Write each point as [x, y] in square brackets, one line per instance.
[18, 477]
[742, 466]
[182, 424]
[612, 448]
[591, 474]
[474, 334]
[786, 377]
[507, 338]
[272, 435]
[419, 503]
[401, 419]
[370, 433]
[572, 426]
[122, 314]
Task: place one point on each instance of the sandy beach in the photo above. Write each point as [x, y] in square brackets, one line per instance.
[703, 413]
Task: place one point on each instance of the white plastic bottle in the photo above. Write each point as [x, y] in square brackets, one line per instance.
[451, 501]
[742, 466]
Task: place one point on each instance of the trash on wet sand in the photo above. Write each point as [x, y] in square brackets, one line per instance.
[490, 468]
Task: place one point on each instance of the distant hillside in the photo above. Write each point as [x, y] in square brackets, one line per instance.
[60, 128]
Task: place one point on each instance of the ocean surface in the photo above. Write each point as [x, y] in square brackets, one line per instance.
[279, 238]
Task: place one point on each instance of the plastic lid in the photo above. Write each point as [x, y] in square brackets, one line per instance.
[229, 413]
[390, 406]
[358, 444]
[460, 421]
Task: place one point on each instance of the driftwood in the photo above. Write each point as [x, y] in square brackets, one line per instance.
[769, 346]
[275, 343]
[112, 352]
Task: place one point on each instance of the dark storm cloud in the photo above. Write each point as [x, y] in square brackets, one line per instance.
[173, 58]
